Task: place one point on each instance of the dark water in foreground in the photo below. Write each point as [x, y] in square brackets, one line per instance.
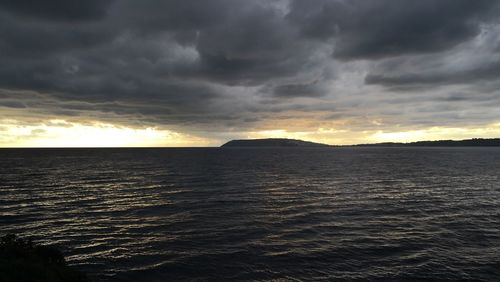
[261, 214]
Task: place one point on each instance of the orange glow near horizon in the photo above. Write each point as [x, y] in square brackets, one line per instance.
[61, 133]
[347, 137]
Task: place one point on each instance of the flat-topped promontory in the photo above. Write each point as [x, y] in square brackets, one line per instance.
[272, 142]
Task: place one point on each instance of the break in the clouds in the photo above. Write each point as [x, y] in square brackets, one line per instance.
[329, 70]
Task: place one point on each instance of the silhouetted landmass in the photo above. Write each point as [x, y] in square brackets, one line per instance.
[476, 142]
[22, 260]
[272, 142]
[283, 142]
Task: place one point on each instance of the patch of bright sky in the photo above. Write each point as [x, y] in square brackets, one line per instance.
[59, 133]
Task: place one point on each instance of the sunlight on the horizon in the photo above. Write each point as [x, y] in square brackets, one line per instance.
[347, 137]
[59, 133]
[438, 133]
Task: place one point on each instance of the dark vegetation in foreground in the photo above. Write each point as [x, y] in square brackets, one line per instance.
[22, 260]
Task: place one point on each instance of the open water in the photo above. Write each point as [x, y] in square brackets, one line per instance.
[260, 214]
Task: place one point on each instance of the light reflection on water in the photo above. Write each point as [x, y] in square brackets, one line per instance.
[257, 214]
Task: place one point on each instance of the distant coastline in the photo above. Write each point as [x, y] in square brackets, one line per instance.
[272, 142]
[284, 142]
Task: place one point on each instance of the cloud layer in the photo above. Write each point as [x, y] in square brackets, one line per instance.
[221, 68]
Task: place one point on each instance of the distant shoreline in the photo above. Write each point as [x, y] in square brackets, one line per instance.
[283, 142]
[293, 143]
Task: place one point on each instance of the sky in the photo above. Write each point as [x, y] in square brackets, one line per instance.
[199, 73]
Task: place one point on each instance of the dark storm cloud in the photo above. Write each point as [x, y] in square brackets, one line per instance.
[179, 16]
[256, 46]
[64, 10]
[376, 29]
[33, 40]
[486, 72]
[312, 89]
[238, 62]
[237, 42]
[164, 53]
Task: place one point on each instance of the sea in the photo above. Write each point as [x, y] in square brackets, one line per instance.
[260, 214]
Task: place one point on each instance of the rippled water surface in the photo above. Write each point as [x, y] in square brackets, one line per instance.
[260, 214]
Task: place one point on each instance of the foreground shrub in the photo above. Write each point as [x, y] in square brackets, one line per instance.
[22, 260]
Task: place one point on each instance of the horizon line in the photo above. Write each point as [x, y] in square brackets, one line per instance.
[220, 146]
